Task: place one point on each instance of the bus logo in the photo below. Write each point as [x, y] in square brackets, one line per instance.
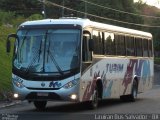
[55, 84]
[42, 84]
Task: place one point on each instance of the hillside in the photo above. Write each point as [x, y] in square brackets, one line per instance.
[5, 60]
[13, 14]
[8, 24]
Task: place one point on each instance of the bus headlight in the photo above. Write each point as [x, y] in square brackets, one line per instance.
[71, 84]
[18, 82]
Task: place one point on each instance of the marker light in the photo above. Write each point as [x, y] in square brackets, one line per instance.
[16, 95]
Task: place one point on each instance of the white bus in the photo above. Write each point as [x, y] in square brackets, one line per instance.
[73, 59]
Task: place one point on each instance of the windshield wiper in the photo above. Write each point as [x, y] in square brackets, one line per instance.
[40, 51]
[20, 49]
[53, 60]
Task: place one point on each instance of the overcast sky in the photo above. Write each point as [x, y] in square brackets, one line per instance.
[152, 2]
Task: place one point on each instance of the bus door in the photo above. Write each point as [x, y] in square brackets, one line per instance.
[86, 53]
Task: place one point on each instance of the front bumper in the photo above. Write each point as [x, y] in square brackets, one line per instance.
[48, 95]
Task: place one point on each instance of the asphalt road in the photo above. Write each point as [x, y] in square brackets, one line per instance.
[146, 107]
[147, 103]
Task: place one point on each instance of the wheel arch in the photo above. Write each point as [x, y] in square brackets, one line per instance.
[136, 79]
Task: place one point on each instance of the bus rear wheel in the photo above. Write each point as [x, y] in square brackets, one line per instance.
[94, 102]
[133, 96]
[40, 105]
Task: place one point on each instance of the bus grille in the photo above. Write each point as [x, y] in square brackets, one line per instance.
[51, 96]
[42, 88]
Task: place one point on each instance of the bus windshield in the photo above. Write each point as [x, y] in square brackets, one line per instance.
[47, 50]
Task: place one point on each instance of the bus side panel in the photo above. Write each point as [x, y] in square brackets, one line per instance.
[117, 77]
[147, 75]
[110, 71]
[142, 71]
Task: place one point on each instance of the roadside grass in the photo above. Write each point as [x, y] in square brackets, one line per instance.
[5, 61]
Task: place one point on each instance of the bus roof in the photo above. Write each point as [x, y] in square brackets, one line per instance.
[88, 23]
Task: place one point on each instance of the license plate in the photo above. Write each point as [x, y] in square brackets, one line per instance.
[42, 94]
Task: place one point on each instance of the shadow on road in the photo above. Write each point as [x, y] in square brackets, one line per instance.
[79, 107]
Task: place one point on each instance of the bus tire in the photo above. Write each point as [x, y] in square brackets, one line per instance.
[133, 96]
[94, 101]
[40, 105]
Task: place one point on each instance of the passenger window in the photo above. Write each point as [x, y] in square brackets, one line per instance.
[138, 42]
[120, 45]
[145, 48]
[130, 48]
[150, 48]
[109, 44]
[98, 43]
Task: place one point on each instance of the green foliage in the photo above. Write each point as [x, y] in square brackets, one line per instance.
[9, 19]
[5, 60]
[18, 20]
[35, 17]
[22, 7]
[6, 17]
[9, 24]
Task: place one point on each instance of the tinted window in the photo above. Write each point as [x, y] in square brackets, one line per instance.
[145, 47]
[130, 46]
[120, 45]
[150, 48]
[138, 47]
[86, 54]
[98, 44]
[109, 44]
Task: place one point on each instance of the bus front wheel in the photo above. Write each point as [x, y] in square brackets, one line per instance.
[40, 105]
[94, 101]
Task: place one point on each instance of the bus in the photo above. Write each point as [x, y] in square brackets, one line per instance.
[79, 60]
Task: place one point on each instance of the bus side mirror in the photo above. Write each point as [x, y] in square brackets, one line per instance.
[8, 44]
[91, 45]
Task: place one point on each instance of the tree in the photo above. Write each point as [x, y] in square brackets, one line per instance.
[21, 7]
